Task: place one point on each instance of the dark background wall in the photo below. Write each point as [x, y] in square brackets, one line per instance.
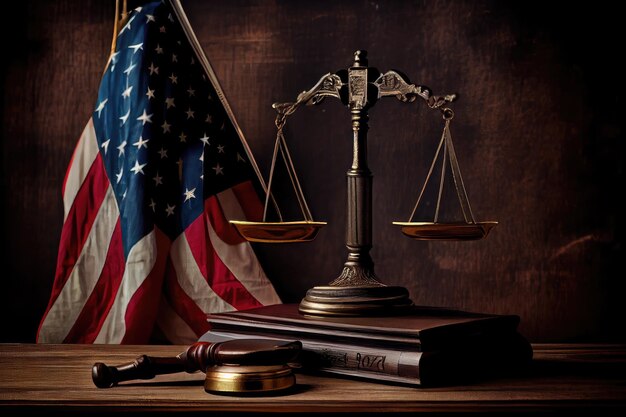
[538, 130]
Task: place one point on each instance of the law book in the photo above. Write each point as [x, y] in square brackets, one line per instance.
[425, 346]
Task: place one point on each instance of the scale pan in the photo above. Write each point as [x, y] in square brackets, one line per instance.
[446, 231]
[278, 232]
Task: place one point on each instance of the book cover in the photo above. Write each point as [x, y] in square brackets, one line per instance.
[425, 328]
[426, 346]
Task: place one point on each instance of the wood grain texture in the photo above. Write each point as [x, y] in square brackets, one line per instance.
[56, 379]
[538, 132]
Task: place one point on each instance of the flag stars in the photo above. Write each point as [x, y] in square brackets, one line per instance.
[220, 148]
[163, 153]
[182, 137]
[127, 25]
[114, 59]
[150, 18]
[152, 205]
[130, 67]
[209, 119]
[205, 140]
[169, 102]
[101, 106]
[162, 29]
[153, 69]
[174, 78]
[158, 49]
[201, 157]
[158, 180]
[145, 117]
[150, 93]
[121, 148]
[170, 210]
[141, 143]
[189, 194]
[170, 18]
[191, 92]
[138, 168]
[174, 58]
[192, 61]
[166, 126]
[119, 175]
[136, 47]
[218, 170]
[126, 93]
[105, 145]
[190, 114]
[125, 117]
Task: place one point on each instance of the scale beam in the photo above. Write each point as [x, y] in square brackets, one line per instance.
[357, 291]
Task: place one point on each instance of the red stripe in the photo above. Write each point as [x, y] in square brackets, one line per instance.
[226, 232]
[143, 306]
[182, 304]
[220, 278]
[249, 201]
[78, 225]
[96, 309]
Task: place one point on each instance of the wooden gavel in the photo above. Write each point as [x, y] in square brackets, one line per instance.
[199, 357]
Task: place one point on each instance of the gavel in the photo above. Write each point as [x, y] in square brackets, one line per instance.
[257, 365]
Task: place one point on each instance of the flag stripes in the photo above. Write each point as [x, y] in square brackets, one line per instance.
[155, 176]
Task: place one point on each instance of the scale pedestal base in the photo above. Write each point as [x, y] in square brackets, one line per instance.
[380, 300]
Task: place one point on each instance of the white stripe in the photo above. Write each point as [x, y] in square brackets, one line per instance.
[230, 205]
[173, 326]
[192, 281]
[240, 259]
[84, 276]
[84, 155]
[139, 264]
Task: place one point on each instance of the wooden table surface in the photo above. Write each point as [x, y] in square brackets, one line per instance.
[56, 379]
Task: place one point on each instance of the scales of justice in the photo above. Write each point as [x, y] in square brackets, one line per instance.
[357, 291]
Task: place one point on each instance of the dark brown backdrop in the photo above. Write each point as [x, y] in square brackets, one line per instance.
[538, 131]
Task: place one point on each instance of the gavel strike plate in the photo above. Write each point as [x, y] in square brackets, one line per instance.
[233, 379]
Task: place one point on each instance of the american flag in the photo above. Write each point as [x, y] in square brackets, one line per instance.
[156, 174]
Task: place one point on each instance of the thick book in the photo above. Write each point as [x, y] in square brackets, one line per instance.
[425, 346]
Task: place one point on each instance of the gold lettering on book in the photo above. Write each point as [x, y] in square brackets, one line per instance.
[370, 362]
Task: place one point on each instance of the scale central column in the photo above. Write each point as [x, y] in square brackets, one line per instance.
[357, 291]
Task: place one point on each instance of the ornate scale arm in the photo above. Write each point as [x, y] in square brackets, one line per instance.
[328, 86]
[393, 84]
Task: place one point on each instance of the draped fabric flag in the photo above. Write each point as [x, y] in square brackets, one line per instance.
[157, 172]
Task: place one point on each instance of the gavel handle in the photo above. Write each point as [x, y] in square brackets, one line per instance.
[144, 367]
[198, 357]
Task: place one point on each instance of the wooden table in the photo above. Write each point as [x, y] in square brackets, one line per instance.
[56, 379]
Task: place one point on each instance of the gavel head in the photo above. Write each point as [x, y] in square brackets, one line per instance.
[243, 352]
[245, 366]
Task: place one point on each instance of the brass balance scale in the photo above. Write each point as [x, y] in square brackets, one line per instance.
[357, 291]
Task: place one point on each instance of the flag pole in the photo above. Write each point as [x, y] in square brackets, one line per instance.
[118, 22]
